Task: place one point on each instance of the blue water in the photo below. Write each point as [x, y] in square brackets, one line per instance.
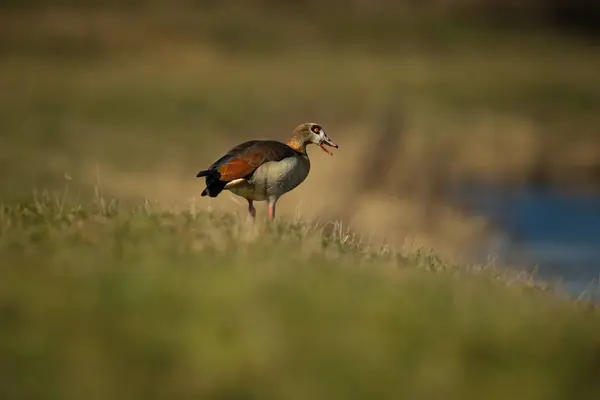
[557, 231]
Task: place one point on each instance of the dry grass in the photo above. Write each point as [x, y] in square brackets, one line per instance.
[148, 98]
[181, 298]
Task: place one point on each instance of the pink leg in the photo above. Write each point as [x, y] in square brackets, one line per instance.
[272, 210]
[251, 209]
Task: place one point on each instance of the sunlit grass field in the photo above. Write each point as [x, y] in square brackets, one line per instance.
[106, 301]
[118, 282]
[144, 100]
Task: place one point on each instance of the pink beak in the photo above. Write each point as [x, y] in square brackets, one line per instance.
[329, 143]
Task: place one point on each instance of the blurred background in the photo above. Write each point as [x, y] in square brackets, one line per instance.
[468, 126]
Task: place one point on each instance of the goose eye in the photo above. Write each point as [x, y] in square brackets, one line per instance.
[316, 129]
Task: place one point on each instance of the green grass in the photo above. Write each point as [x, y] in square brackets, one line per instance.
[123, 300]
[107, 301]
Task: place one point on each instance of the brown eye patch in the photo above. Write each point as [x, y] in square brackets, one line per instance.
[316, 129]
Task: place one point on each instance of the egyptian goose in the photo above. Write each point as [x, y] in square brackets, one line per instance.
[260, 170]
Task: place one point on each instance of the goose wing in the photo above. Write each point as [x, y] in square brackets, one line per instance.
[242, 160]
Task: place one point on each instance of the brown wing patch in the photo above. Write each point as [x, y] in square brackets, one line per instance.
[239, 167]
[249, 158]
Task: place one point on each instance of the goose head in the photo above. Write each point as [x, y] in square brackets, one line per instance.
[311, 132]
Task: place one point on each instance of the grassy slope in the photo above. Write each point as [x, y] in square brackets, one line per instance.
[104, 302]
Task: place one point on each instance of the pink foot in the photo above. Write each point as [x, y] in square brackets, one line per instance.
[272, 211]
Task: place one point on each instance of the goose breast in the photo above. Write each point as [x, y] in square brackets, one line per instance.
[275, 178]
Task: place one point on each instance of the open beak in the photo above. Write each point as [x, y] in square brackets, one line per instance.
[329, 143]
